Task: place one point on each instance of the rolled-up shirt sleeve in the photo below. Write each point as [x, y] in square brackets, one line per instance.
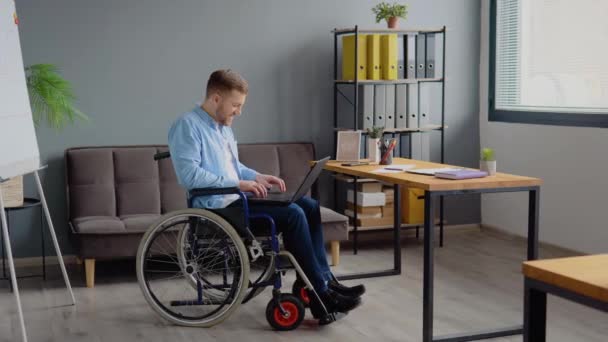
[185, 147]
[247, 173]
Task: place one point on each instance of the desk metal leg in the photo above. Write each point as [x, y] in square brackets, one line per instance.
[427, 294]
[397, 227]
[533, 208]
[396, 245]
[440, 221]
[3, 256]
[535, 313]
[355, 225]
[427, 309]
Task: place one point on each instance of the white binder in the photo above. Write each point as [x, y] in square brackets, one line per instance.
[411, 56]
[412, 106]
[366, 106]
[401, 106]
[390, 107]
[380, 106]
[420, 55]
[424, 119]
[412, 121]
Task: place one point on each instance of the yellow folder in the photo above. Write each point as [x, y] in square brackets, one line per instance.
[348, 57]
[388, 56]
[412, 206]
[373, 57]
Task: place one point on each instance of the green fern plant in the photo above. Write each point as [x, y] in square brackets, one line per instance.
[384, 11]
[375, 132]
[51, 96]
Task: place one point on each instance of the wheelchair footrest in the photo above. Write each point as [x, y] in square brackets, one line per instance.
[332, 317]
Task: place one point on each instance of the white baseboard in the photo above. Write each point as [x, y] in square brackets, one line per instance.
[501, 230]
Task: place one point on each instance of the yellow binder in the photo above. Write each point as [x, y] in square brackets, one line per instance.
[412, 206]
[373, 57]
[348, 57]
[388, 56]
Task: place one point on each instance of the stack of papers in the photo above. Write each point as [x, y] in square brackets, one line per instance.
[395, 168]
[432, 172]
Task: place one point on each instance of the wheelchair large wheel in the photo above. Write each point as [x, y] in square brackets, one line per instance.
[213, 254]
[261, 270]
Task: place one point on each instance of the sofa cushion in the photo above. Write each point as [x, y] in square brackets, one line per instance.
[114, 225]
[98, 225]
[90, 182]
[138, 223]
[137, 182]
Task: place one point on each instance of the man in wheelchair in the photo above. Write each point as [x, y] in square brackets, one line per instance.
[204, 155]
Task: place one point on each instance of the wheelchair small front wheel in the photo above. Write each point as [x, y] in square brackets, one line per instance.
[299, 290]
[288, 316]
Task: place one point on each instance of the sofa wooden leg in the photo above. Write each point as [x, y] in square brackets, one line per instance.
[89, 270]
[78, 261]
[335, 253]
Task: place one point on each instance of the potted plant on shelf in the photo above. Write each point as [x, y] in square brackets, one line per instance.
[373, 143]
[390, 13]
[51, 100]
[488, 161]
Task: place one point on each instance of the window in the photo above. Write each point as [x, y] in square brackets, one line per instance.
[549, 62]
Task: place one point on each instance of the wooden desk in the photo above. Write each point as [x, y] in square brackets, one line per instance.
[436, 188]
[580, 279]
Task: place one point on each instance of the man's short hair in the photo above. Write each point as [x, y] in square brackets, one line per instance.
[226, 80]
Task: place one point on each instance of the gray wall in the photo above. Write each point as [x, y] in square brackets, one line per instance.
[136, 65]
[570, 160]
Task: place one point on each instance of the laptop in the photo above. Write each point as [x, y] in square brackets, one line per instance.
[286, 198]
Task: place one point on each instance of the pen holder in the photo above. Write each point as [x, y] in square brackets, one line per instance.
[385, 158]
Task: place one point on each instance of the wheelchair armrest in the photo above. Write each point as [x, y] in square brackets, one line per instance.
[162, 155]
[213, 191]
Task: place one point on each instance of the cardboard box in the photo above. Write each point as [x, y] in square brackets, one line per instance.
[370, 187]
[351, 213]
[365, 210]
[373, 222]
[367, 199]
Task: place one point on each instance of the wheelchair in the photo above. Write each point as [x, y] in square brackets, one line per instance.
[196, 266]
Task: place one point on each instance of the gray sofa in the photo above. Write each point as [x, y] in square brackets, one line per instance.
[114, 193]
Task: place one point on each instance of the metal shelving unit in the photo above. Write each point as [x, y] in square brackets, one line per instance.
[339, 84]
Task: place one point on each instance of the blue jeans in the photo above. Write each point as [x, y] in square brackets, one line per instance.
[300, 223]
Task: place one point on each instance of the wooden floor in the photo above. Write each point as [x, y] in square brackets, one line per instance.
[478, 286]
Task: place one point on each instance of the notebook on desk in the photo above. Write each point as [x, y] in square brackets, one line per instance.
[461, 174]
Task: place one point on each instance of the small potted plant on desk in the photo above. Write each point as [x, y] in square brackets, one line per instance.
[390, 13]
[488, 161]
[373, 143]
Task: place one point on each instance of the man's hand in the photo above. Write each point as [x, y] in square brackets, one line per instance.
[268, 181]
[256, 188]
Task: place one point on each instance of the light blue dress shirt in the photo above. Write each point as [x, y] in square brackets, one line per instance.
[197, 144]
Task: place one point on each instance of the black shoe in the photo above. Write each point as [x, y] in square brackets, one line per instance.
[333, 302]
[349, 291]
